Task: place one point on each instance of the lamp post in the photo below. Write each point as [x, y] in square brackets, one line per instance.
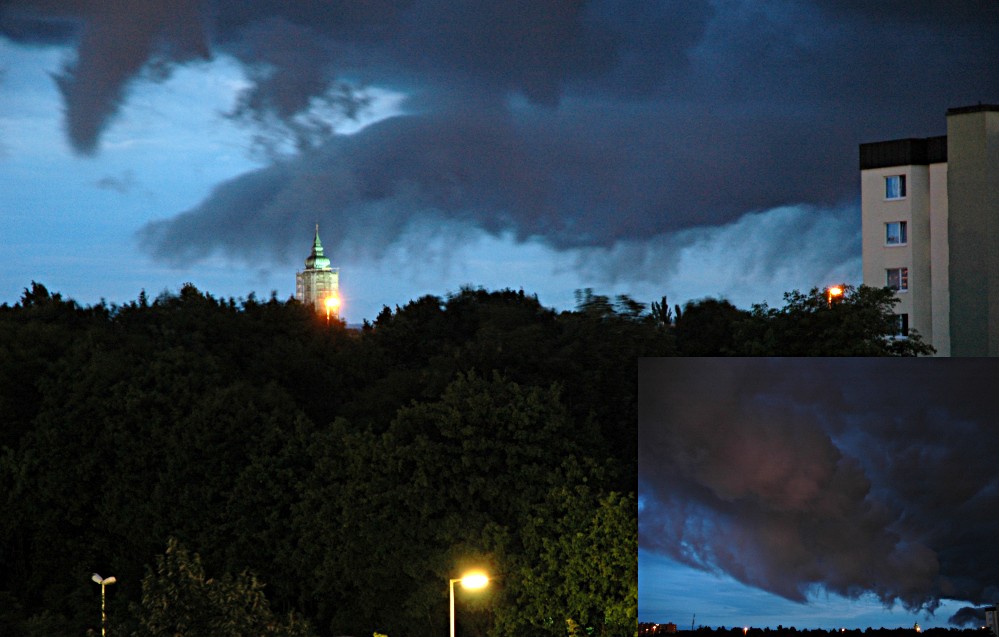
[103, 581]
[470, 581]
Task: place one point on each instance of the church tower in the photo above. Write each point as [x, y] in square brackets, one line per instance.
[318, 284]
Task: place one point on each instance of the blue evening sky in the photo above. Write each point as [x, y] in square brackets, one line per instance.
[69, 221]
[672, 592]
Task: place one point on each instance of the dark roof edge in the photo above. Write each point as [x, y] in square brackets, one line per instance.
[979, 108]
[914, 151]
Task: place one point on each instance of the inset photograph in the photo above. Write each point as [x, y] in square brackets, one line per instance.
[832, 494]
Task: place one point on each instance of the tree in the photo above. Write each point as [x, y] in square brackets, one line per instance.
[178, 599]
[579, 571]
[210, 420]
[709, 327]
[859, 323]
[661, 314]
[386, 519]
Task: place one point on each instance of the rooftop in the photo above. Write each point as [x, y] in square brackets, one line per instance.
[960, 110]
[904, 152]
[914, 151]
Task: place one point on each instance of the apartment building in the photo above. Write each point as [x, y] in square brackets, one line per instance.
[930, 223]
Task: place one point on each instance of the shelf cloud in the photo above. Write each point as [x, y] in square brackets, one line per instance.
[801, 475]
[577, 123]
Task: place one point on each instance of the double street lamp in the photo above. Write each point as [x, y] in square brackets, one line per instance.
[103, 581]
[471, 581]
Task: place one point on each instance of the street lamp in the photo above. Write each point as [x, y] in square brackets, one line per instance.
[471, 581]
[103, 581]
[332, 303]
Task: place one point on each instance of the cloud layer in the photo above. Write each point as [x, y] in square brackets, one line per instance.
[576, 123]
[797, 475]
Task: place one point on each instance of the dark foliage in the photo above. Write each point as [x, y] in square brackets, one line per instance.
[861, 322]
[352, 472]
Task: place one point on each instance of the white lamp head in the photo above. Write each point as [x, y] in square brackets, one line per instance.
[474, 580]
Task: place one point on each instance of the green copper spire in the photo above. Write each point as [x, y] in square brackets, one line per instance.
[316, 260]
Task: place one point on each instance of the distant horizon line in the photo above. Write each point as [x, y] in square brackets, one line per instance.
[782, 628]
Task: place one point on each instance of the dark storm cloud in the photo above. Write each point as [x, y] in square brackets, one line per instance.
[567, 177]
[579, 122]
[969, 617]
[930, 12]
[854, 476]
[115, 41]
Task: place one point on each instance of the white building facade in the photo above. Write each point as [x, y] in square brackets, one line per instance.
[930, 224]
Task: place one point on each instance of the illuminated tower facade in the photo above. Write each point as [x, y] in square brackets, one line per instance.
[318, 284]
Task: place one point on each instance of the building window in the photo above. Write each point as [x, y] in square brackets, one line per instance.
[896, 233]
[895, 187]
[901, 325]
[898, 278]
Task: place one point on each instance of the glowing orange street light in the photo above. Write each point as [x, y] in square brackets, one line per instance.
[472, 580]
[332, 305]
[834, 292]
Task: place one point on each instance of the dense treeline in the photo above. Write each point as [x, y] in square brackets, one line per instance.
[232, 454]
[860, 322]
[250, 465]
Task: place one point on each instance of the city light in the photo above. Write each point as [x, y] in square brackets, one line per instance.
[834, 292]
[472, 580]
[332, 306]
